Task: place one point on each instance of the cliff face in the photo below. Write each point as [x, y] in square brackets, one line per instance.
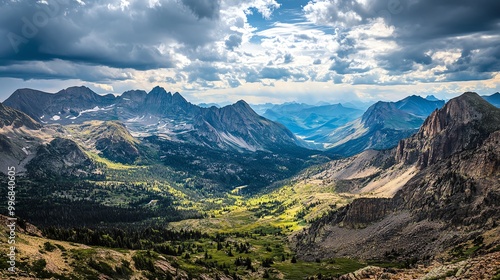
[364, 211]
[463, 189]
[453, 198]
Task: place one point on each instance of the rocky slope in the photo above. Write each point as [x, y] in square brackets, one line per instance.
[16, 119]
[110, 139]
[61, 158]
[20, 136]
[38, 257]
[451, 200]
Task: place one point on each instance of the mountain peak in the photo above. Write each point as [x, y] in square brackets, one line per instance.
[463, 123]
[431, 98]
[177, 97]
[378, 112]
[463, 109]
[466, 107]
[157, 90]
[241, 105]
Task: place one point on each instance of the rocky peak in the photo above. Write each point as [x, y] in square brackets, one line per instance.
[80, 93]
[178, 99]
[60, 158]
[458, 111]
[158, 96]
[242, 105]
[463, 123]
[136, 95]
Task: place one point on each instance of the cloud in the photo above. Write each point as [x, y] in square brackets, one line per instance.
[204, 8]
[413, 31]
[63, 70]
[135, 36]
[170, 80]
[275, 73]
[225, 44]
[234, 83]
[233, 41]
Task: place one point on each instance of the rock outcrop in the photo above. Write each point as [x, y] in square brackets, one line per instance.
[60, 158]
[16, 119]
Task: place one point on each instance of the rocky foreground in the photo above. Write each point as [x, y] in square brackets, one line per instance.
[481, 267]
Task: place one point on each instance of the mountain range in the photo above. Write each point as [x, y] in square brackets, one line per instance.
[381, 126]
[159, 113]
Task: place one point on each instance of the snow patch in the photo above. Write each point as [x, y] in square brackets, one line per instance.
[96, 109]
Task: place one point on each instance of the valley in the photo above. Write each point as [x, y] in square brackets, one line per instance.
[150, 186]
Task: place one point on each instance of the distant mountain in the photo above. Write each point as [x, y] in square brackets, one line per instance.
[157, 113]
[446, 204]
[43, 106]
[418, 106]
[493, 99]
[381, 126]
[208, 105]
[310, 122]
[431, 98]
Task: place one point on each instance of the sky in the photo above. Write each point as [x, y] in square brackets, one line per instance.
[256, 50]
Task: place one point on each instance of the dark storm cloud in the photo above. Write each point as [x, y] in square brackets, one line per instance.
[103, 33]
[63, 71]
[204, 8]
[404, 60]
[426, 19]
[429, 26]
[422, 27]
[275, 73]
